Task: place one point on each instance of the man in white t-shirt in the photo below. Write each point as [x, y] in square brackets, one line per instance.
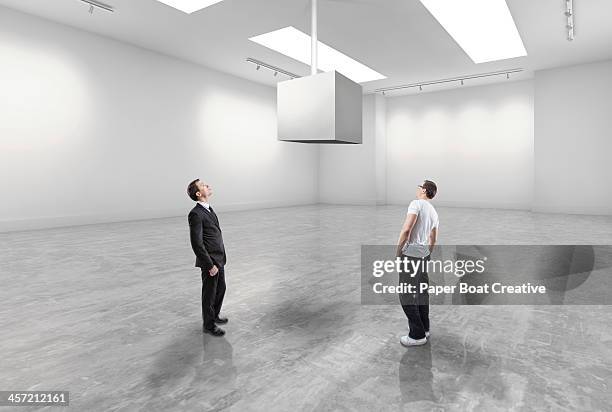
[416, 241]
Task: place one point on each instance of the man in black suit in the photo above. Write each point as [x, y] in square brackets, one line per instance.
[207, 244]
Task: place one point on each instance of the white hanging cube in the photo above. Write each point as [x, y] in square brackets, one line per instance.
[322, 108]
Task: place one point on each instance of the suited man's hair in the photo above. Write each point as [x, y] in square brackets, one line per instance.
[430, 189]
[192, 189]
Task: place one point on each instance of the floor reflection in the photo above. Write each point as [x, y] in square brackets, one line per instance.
[416, 376]
[217, 364]
[197, 367]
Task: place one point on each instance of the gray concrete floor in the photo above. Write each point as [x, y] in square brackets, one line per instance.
[112, 313]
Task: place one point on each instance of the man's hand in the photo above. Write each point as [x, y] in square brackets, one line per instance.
[405, 233]
[213, 271]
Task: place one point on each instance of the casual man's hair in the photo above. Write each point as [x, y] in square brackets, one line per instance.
[430, 188]
[192, 189]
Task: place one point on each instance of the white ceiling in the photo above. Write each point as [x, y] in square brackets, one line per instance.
[398, 38]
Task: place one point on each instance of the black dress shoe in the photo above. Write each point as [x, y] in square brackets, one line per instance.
[215, 331]
[221, 321]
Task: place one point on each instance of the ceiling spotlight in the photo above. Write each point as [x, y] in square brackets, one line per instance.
[258, 67]
[383, 93]
[275, 73]
[420, 87]
[462, 82]
[91, 9]
[507, 75]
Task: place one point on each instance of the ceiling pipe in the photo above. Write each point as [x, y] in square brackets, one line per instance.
[313, 38]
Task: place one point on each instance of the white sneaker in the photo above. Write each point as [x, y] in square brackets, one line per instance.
[408, 341]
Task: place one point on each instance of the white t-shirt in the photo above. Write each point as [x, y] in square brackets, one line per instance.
[427, 219]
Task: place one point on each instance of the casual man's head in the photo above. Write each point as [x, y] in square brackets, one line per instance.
[427, 190]
[199, 191]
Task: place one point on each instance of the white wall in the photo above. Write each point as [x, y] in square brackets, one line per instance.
[96, 130]
[476, 143]
[573, 145]
[381, 149]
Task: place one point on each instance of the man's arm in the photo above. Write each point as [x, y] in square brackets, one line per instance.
[405, 232]
[433, 236]
[197, 242]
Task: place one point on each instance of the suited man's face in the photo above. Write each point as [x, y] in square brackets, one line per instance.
[204, 190]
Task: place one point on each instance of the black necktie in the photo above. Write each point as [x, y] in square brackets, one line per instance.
[213, 213]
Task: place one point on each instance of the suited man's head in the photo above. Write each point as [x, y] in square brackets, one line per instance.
[199, 191]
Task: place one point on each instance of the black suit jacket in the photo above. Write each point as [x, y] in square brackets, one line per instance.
[206, 238]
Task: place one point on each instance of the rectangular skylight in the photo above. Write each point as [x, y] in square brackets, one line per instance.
[484, 29]
[189, 6]
[293, 43]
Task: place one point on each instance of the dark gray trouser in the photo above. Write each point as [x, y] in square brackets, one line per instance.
[213, 291]
[416, 305]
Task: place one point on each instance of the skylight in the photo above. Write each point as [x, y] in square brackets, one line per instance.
[484, 29]
[293, 43]
[189, 6]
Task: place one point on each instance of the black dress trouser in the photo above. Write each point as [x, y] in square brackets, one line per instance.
[416, 305]
[213, 291]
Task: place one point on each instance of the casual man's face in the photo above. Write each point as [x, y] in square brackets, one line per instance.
[204, 189]
[419, 190]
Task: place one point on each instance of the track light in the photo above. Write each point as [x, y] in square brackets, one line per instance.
[569, 14]
[383, 93]
[453, 80]
[99, 5]
[259, 64]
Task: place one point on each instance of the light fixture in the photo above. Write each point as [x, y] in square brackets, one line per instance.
[259, 64]
[293, 43]
[484, 29]
[569, 14]
[99, 5]
[321, 108]
[189, 6]
[451, 80]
